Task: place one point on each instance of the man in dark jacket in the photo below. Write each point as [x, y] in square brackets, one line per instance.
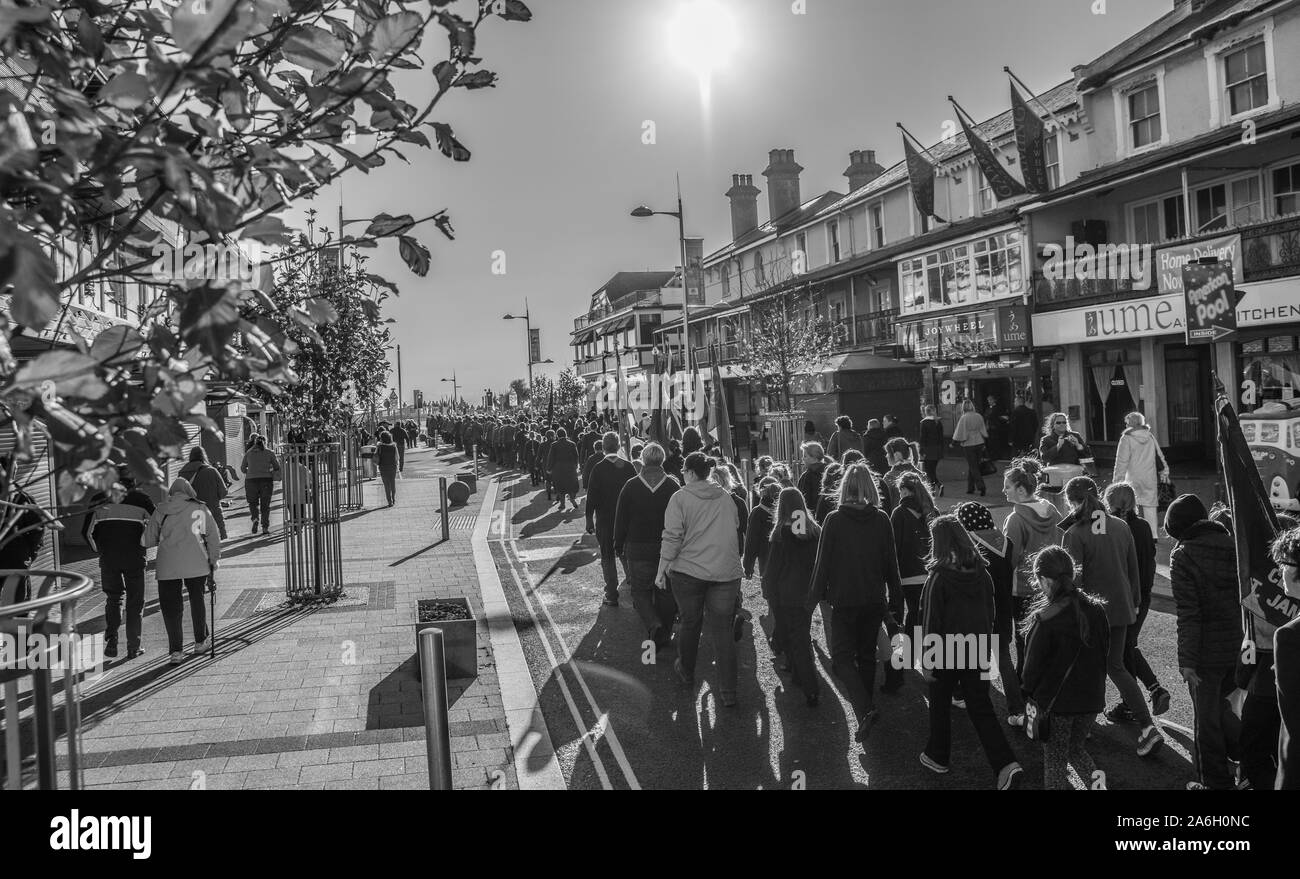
[1024, 428]
[400, 439]
[844, 438]
[114, 530]
[873, 446]
[607, 480]
[1203, 574]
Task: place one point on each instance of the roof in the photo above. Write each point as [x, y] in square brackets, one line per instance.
[621, 289]
[857, 361]
[1183, 25]
[790, 219]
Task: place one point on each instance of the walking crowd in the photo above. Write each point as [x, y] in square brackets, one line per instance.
[1054, 596]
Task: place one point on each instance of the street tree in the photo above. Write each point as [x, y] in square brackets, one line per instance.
[132, 130]
[521, 390]
[569, 389]
[783, 344]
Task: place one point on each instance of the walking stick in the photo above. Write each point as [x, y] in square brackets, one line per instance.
[212, 613]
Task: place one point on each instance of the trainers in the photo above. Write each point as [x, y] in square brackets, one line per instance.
[933, 765]
[254, 527]
[728, 700]
[133, 652]
[1150, 740]
[1120, 713]
[1017, 720]
[1009, 776]
[203, 646]
[176, 658]
[1195, 785]
[110, 649]
[1159, 700]
[865, 723]
[958, 702]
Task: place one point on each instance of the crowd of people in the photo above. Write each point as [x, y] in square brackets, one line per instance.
[1058, 589]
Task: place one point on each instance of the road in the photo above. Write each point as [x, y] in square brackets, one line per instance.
[619, 719]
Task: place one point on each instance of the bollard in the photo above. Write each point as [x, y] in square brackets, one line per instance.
[442, 493]
[437, 734]
[475, 450]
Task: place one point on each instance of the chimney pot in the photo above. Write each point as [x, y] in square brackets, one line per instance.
[862, 169]
[782, 183]
[744, 205]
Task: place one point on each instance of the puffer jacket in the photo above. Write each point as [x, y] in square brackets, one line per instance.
[185, 533]
[1203, 573]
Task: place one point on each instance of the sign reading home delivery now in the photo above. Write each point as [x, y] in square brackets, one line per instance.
[1211, 302]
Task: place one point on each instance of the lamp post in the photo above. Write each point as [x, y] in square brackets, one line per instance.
[455, 388]
[643, 211]
[528, 341]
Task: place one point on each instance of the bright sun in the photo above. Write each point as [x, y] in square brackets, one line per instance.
[702, 36]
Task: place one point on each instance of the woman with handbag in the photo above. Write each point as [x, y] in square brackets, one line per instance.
[1139, 461]
[1064, 679]
[972, 435]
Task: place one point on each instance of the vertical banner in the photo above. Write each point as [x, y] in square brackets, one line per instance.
[535, 346]
[920, 175]
[1031, 137]
[694, 270]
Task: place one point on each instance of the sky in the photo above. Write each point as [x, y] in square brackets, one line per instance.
[558, 158]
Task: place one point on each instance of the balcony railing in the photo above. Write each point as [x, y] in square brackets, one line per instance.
[599, 314]
[1050, 292]
[1271, 250]
[876, 328]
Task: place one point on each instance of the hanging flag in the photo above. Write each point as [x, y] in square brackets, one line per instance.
[1255, 526]
[920, 173]
[721, 418]
[658, 414]
[1004, 186]
[550, 410]
[1031, 137]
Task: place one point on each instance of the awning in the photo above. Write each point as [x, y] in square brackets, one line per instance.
[861, 362]
[583, 336]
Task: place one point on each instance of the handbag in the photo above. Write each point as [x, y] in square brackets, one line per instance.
[1038, 721]
[1165, 490]
[987, 467]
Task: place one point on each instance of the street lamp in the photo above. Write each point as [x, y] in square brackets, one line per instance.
[526, 317]
[455, 388]
[642, 212]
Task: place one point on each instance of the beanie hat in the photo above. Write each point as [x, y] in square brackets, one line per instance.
[975, 517]
[1183, 513]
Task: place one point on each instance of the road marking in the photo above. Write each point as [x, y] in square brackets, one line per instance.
[603, 723]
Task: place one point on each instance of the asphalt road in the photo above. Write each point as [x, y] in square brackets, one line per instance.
[619, 719]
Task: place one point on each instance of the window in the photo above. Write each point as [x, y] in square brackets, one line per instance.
[833, 235]
[986, 199]
[758, 268]
[987, 268]
[1144, 116]
[1235, 203]
[1052, 151]
[1245, 77]
[1161, 220]
[878, 226]
[1212, 208]
[801, 249]
[1286, 190]
[726, 281]
[1247, 201]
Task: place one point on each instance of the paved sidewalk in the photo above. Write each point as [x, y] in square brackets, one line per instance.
[308, 697]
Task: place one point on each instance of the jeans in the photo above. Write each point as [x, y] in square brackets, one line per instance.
[401, 457]
[656, 607]
[1066, 746]
[1007, 672]
[716, 600]
[975, 690]
[172, 602]
[389, 478]
[1134, 661]
[931, 469]
[974, 479]
[608, 563]
[793, 630]
[853, 653]
[1128, 687]
[118, 581]
[1211, 717]
[1261, 724]
[215, 510]
[259, 491]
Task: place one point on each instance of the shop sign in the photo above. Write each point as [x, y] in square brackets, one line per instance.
[1013, 327]
[966, 334]
[1211, 299]
[1171, 260]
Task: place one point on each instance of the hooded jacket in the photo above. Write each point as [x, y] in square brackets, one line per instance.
[856, 562]
[1103, 546]
[185, 533]
[791, 559]
[841, 441]
[997, 550]
[700, 527]
[1203, 574]
[260, 464]
[1030, 527]
[957, 602]
[911, 541]
[1135, 462]
[207, 483]
[757, 532]
[889, 494]
[810, 483]
[1061, 672]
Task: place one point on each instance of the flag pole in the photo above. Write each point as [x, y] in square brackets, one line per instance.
[903, 128]
[1033, 97]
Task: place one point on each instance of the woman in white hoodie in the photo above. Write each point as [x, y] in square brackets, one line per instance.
[1138, 461]
[189, 547]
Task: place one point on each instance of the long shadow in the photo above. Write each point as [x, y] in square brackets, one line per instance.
[544, 524]
[535, 508]
[397, 701]
[417, 553]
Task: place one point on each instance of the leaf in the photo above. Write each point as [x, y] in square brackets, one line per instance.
[321, 311]
[194, 21]
[515, 10]
[384, 225]
[391, 34]
[71, 372]
[26, 266]
[445, 73]
[133, 444]
[269, 230]
[126, 91]
[208, 318]
[167, 434]
[313, 48]
[12, 16]
[443, 222]
[380, 281]
[117, 346]
[415, 254]
[92, 41]
[478, 79]
[461, 34]
[448, 143]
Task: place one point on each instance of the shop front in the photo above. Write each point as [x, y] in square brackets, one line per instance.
[1267, 349]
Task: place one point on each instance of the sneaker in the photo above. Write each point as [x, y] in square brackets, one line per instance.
[958, 702]
[1120, 713]
[1009, 777]
[254, 527]
[203, 646]
[610, 602]
[1017, 720]
[1194, 785]
[740, 627]
[1159, 700]
[133, 652]
[662, 637]
[176, 658]
[1150, 740]
[865, 723]
[110, 649]
[933, 765]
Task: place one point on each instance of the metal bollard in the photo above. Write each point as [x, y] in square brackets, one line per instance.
[475, 448]
[442, 493]
[437, 734]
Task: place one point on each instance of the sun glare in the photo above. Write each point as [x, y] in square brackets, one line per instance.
[702, 36]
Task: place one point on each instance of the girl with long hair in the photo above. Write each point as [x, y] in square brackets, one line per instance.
[910, 521]
[792, 556]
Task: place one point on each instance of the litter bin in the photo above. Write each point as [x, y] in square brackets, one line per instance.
[368, 467]
[470, 479]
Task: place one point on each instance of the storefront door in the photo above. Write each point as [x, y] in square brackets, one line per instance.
[1187, 396]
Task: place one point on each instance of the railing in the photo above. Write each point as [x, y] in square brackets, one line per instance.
[313, 554]
[1060, 292]
[38, 657]
[877, 327]
[599, 314]
[1271, 250]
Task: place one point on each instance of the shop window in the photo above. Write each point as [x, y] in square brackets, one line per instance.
[987, 268]
[1268, 377]
[1114, 380]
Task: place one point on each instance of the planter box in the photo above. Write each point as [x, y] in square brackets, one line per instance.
[459, 639]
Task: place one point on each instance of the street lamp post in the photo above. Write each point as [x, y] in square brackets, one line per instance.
[528, 342]
[455, 388]
[680, 214]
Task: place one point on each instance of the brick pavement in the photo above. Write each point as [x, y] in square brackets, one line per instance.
[307, 697]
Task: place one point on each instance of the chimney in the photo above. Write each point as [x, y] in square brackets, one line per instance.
[782, 183]
[862, 169]
[744, 204]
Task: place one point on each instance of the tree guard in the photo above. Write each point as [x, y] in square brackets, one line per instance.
[313, 550]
